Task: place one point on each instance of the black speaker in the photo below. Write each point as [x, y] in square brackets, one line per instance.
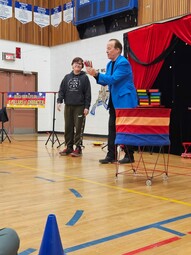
[3, 115]
[108, 24]
[91, 29]
[121, 21]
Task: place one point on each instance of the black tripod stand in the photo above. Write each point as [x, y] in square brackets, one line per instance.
[3, 134]
[3, 118]
[53, 136]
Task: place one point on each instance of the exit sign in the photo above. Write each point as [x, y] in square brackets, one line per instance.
[8, 56]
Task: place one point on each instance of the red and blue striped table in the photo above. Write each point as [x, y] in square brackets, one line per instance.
[143, 127]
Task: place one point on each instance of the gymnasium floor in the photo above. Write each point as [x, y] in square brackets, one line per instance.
[96, 213]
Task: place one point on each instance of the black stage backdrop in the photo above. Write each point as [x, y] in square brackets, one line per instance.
[174, 82]
[160, 56]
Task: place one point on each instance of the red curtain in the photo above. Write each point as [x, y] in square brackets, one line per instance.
[150, 42]
[182, 28]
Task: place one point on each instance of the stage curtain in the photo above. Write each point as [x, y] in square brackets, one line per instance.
[182, 28]
[146, 46]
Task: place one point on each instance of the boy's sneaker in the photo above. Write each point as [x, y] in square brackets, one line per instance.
[66, 152]
[77, 152]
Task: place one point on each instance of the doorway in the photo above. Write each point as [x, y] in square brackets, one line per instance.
[21, 121]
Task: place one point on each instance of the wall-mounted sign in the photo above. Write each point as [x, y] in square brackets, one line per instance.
[23, 12]
[8, 56]
[26, 99]
[41, 16]
[56, 16]
[6, 9]
[68, 12]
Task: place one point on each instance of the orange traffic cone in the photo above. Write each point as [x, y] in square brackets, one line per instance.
[51, 241]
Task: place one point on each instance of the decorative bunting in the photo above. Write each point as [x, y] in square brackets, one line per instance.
[56, 16]
[6, 9]
[68, 12]
[23, 12]
[41, 16]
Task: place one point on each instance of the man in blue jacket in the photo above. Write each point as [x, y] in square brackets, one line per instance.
[119, 78]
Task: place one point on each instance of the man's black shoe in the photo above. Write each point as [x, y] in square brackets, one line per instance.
[126, 160]
[107, 160]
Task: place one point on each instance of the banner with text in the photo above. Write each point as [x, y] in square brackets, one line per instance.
[41, 16]
[68, 10]
[23, 12]
[6, 11]
[56, 16]
[26, 99]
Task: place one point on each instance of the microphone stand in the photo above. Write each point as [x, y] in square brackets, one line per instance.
[52, 135]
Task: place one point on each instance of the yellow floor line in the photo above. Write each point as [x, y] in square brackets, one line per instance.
[105, 185]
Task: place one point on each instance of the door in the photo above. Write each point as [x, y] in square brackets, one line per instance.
[21, 121]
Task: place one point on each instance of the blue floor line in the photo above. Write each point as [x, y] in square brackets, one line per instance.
[125, 233]
[177, 233]
[42, 178]
[112, 237]
[75, 218]
[174, 219]
[28, 251]
[75, 192]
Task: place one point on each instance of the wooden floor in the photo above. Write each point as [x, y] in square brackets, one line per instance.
[96, 213]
